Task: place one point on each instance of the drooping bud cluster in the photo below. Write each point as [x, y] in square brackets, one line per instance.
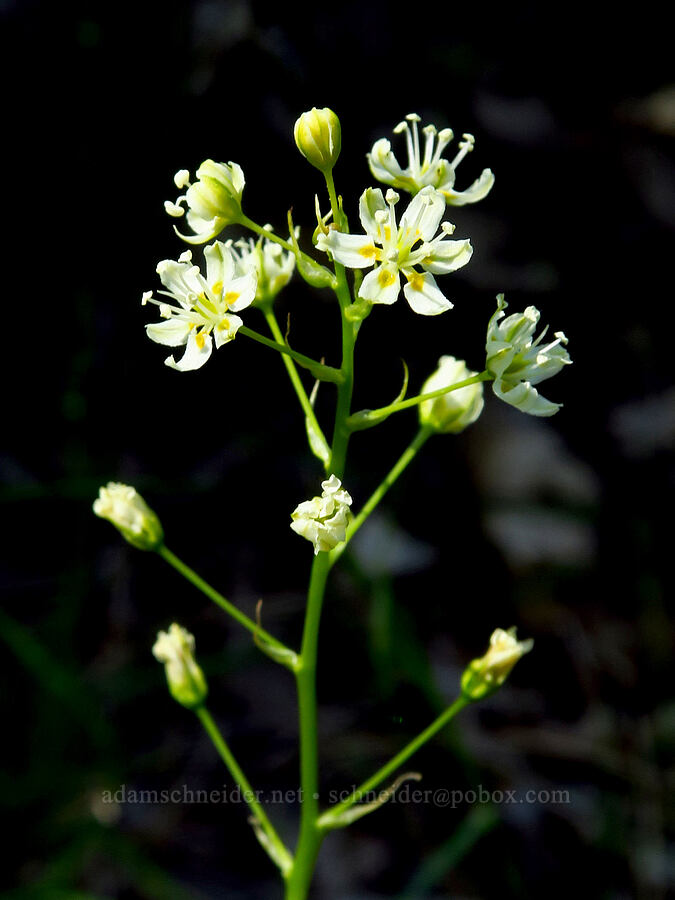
[130, 514]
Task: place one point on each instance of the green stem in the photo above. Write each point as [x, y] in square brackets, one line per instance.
[324, 373]
[296, 381]
[263, 232]
[330, 818]
[309, 840]
[404, 460]
[420, 398]
[218, 598]
[274, 845]
[310, 837]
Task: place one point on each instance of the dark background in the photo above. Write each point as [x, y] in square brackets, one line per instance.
[560, 526]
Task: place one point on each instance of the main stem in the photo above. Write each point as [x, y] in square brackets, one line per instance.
[309, 840]
[310, 837]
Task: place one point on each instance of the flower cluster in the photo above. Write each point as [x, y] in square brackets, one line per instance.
[323, 520]
[431, 170]
[518, 362]
[203, 306]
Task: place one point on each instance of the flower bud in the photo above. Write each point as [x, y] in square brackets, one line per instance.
[186, 681]
[485, 675]
[130, 514]
[323, 520]
[452, 412]
[318, 137]
[213, 200]
[217, 191]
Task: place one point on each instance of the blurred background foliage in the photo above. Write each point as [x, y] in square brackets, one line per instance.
[562, 526]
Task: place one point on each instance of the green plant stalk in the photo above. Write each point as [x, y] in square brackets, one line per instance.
[325, 373]
[401, 464]
[213, 594]
[293, 374]
[389, 768]
[431, 395]
[280, 854]
[310, 836]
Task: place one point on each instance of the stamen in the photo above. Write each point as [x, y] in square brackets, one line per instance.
[444, 138]
[465, 146]
[415, 162]
[430, 134]
[181, 179]
[174, 209]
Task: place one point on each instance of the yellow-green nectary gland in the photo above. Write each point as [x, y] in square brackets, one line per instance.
[318, 137]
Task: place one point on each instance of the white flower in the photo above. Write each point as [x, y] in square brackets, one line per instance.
[452, 412]
[392, 249]
[272, 265]
[430, 170]
[186, 681]
[130, 514]
[323, 520]
[484, 675]
[212, 202]
[203, 305]
[518, 362]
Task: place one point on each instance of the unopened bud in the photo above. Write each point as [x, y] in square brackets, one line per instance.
[485, 675]
[175, 648]
[454, 411]
[130, 514]
[318, 137]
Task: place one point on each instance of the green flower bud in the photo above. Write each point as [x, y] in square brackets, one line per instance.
[186, 681]
[212, 201]
[130, 514]
[452, 412]
[318, 137]
[485, 675]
